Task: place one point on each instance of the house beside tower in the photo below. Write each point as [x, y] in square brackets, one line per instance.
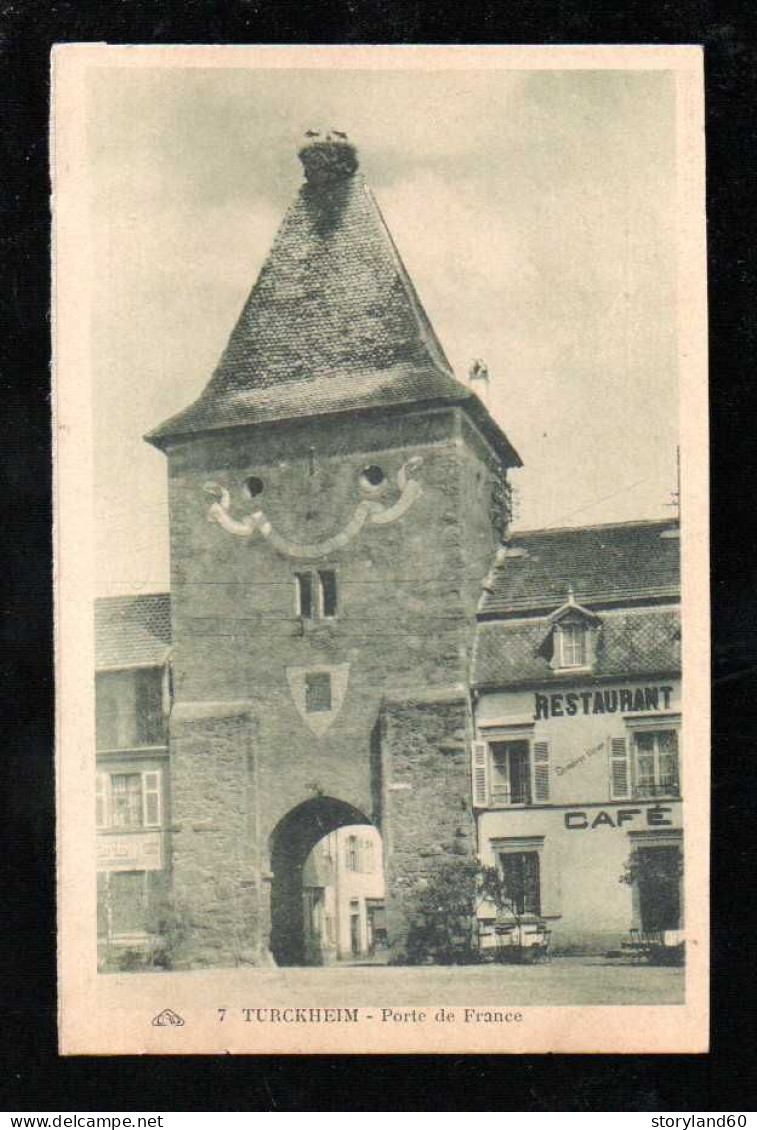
[337, 499]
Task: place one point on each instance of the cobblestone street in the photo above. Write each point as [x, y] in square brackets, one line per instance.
[561, 981]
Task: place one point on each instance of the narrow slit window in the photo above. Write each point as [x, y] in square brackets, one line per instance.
[304, 583]
[327, 581]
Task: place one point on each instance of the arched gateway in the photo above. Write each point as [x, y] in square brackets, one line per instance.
[291, 843]
[336, 500]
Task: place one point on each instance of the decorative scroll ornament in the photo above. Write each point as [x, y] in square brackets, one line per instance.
[318, 721]
[368, 510]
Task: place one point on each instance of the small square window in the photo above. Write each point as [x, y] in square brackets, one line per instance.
[317, 692]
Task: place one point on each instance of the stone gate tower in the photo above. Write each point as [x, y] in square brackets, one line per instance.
[336, 497]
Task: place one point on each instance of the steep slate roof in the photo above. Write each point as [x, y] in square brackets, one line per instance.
[629, 566]
[634, 644]
[132, 630]
[630, 561]
[333, 323]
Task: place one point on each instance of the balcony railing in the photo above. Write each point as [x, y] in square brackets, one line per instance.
[653, 791]
[503, 798]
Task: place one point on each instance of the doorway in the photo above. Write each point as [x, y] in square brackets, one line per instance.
[659, 885]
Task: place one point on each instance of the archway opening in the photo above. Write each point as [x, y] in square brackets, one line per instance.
[327, 889]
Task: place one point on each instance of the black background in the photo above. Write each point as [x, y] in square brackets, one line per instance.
[33, 1077]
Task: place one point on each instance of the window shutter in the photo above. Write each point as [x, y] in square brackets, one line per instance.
[101, 800]
[541, 772]
[619, 782]
[531, 883]
[151, 795]
[480, 775]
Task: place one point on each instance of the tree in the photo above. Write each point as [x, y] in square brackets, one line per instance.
[443, 929]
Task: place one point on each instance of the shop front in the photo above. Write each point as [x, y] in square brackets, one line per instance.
[577, 790]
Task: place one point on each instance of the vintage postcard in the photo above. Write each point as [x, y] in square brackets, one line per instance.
[382, 549]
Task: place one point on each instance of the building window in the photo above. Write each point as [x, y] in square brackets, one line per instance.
[368, 860]
[571, 644]
[510, 773]
[372, 477]
[327, 589]
[129, 902]
[317, 692]
[521, 881]
[128, 800]
[353, 855]
[254, 486]
[304, 590]
[126, 803]
[314, 903]
[656, 755]
[128, 899]
[316, 595]
[149, 706]
[129, 710]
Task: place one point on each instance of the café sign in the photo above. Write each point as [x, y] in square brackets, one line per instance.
[140, 851]
[622, 700]
[658, 816]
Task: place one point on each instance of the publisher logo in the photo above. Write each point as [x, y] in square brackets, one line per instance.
[167, 1018]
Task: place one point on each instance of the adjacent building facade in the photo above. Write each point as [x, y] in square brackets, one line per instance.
[336, 501]
[343, 894]
[576, 764]
[133, 794]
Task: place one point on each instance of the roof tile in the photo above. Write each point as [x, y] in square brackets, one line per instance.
[132, 630]
[600, 563]
[632, 644]
[332, 324]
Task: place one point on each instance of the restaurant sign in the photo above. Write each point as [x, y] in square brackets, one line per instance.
[623, 700]
[140, 851]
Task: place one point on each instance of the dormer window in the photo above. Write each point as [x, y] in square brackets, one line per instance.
[573, 637]
[571, 645]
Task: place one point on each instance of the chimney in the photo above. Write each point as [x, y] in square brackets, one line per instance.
[478, 375]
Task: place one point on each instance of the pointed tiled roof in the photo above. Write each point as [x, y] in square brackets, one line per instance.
[333, 323]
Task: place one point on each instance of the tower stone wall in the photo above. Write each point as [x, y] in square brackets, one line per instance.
[403, 627]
